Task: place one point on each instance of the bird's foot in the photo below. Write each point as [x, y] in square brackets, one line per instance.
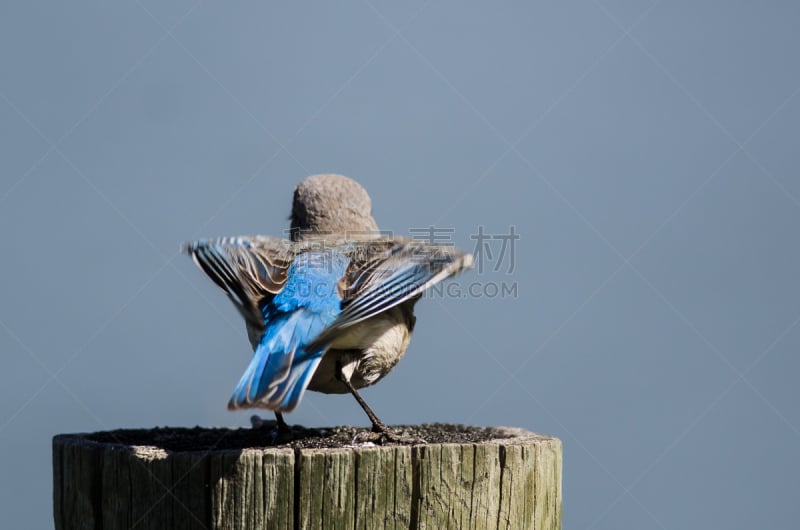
[280, 431]
[381, 434]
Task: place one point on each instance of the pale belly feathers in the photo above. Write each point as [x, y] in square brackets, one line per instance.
[366, 352]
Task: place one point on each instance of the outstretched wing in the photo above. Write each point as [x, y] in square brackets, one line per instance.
[251, 270]
[386, 272]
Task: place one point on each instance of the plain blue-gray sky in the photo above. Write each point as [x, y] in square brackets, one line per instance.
[646, 152]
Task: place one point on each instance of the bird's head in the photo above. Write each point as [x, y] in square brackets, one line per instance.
[330, 204]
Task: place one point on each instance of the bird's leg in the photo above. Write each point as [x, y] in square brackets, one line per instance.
[284, 433]
[377, 424]
[282, 425]
[281, 432]
[379, 429]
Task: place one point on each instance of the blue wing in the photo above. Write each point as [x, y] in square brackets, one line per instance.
[387, 272]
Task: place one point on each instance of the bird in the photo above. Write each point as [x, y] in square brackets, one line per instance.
[331, 309]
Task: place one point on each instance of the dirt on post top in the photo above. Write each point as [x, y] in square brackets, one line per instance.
[265, 435]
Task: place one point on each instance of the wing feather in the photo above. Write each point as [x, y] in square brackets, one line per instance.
[251, 270]
[388, 272]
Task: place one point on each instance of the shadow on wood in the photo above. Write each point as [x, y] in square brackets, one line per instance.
[237, 478]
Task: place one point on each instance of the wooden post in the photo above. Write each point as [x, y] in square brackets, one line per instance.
[179, 478]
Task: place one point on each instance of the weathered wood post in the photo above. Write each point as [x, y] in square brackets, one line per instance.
[225, 479]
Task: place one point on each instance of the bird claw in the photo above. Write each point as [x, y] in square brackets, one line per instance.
[257, 422]
[279, 433]
[380, 434]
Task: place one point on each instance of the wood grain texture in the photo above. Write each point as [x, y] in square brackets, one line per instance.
[511, 482]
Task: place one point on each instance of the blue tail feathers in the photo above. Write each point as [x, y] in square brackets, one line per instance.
[286, 356]
[281, 368]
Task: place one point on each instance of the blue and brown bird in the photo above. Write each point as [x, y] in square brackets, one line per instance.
[331, 309]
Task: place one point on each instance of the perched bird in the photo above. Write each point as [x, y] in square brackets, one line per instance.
[332, 309]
